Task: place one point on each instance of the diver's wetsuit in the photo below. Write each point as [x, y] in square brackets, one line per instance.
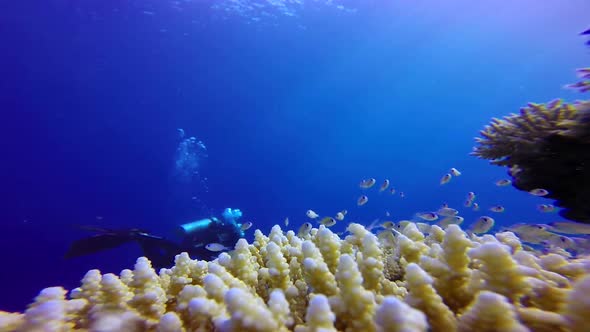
[160, 251]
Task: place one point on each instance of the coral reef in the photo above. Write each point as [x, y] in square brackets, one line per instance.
[442, 281]
[546, 146]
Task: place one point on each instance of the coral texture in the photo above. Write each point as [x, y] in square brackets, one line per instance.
[546, 146]
[441, 281]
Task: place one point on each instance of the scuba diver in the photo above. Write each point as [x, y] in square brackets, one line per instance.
[200, 239]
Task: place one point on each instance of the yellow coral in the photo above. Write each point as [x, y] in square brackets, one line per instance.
[545, 146]
[498, 271]
[424, 297]
[445, 281]
[394, 315]
[355, 305]
[450, 269]
[577, 307]
[490, 312]
[317, 274]
[515, 136]
[319, 316]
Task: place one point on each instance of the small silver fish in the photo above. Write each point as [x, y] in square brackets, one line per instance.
[539, 192]
[340, 216]
[362, 200]
[546, 208]
[328, 221]
[454, 172]
[583, 72]
[428, 216]
[503, 183]
[388, 225]
[400, 225]
[568, 227]
[246, 225]
[497, 208]
[392, 190]
[534, 236]
[482, 225]
[560, 241]
[311, 214]
[446, 178]
[305, 229]
[447, 212]
[216, 247]
[549, 248]
[402, 194]
[287, 221]
[384, 185]
[475, 207]
[368, 183]
[582, 244]
[444, 223]
[527, 228]
[471, 196]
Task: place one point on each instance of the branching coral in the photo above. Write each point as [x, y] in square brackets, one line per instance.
[519, 137]
[448, 282]
[546, 146]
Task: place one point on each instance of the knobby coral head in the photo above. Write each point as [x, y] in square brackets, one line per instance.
[446, 280]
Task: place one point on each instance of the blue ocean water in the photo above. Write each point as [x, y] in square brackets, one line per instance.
[295, 101]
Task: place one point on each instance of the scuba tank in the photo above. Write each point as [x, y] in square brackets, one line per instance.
[211, 229]
[196, 226]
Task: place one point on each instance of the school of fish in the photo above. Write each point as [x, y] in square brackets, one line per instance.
[561, 237]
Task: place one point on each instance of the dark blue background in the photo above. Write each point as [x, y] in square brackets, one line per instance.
[294, 112]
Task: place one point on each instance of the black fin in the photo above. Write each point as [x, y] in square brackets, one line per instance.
[96, 243]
